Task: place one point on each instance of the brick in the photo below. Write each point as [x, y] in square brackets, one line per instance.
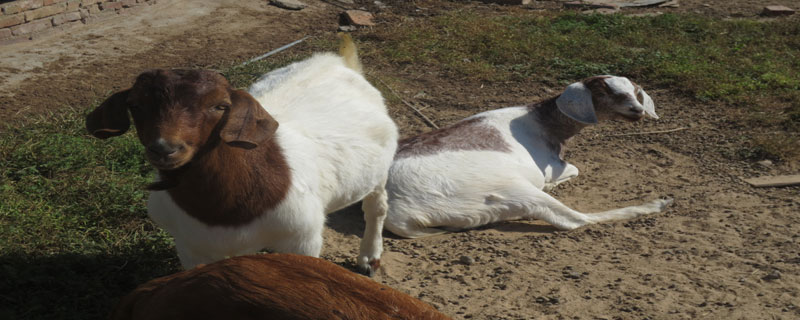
[21, 5]
[589, 5]
[110, 5]
[509, 2]
[50, 2]
[66, 17]
[128, 3]
[31, 27]
[774, 11]
[93, 9]
[358, 18]
[12, 20]
[45, 11]
[85, 3]
[73, 5]
[5, 33]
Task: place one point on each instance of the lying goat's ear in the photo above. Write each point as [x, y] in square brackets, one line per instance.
[110, 119]
[647, 103]
[576, 103]
[248, 123]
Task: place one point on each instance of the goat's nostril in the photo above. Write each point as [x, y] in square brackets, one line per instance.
[164, 148]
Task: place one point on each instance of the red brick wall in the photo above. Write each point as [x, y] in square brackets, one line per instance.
[22, 19]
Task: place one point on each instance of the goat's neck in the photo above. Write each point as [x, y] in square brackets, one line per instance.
[232, 186]
[554, 124]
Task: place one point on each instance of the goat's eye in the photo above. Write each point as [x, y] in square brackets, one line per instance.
[220, 107]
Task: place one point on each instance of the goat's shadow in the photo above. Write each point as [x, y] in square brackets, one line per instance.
[76, 286]
[350, 221]
[521, 226]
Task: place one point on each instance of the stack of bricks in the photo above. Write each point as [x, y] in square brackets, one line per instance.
[23, 18]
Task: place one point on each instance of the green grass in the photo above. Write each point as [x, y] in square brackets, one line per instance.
[752, 66]
[74, 235]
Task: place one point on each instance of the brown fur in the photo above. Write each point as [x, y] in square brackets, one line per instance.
[228, 170]
[464, 135]
[271, 286]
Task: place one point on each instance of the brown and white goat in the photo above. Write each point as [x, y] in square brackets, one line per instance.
[233, 181]
[269, 286]
[498, 165]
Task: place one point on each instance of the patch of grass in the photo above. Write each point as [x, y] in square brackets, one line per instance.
[734, 62]
[75, 234]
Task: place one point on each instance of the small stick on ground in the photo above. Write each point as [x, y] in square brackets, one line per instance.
[427, 120]
[275, 51]
[646, 132]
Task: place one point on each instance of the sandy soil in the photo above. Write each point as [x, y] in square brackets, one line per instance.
[723, 250]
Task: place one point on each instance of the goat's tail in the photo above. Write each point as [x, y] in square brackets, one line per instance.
[347, 49]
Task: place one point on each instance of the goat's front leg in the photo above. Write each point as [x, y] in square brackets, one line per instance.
[374, 206]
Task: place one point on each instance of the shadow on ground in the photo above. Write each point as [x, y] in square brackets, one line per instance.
[75, 286]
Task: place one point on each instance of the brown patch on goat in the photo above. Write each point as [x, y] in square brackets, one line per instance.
[471, 134]
[221, 181]
[275, 286]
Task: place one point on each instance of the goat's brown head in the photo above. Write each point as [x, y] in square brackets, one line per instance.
[179, 112]
[605, 97]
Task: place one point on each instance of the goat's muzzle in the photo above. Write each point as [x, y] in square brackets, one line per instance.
[167, 156]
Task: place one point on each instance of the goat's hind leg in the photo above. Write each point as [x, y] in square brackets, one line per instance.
[536, 204]
[374, 206]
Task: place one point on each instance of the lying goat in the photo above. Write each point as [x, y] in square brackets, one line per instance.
[269, 286]
[497, 165]
[234, 181]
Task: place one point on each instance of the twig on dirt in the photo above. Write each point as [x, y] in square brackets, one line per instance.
[646, 132]
[427, 120]
[274, 51]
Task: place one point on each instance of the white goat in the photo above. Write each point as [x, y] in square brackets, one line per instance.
[233, 181]
[497, 165]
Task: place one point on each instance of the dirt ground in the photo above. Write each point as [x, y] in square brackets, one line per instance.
[723, 250]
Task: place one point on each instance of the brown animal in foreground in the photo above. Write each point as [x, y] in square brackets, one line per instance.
[269, 286]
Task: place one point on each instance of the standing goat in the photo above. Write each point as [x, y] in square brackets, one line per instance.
[233, 181]
[497, 165]
[270, 286]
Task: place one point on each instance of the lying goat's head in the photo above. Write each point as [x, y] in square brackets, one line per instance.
[605, 97]
[179, 112]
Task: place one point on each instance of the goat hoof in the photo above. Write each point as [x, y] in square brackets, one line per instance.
[370, 268]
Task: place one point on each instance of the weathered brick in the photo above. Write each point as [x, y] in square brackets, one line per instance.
[66, 17]
[774, 11]
[101, 16]
[20, 6]
[128, 3]
[110, 5]
[12, 20]
[45, 11]
[30, 27]
[358, 18]
[49, 2]
[509, 2]
[5, 33]
[73, 5]
[93, 9]
[85, 3]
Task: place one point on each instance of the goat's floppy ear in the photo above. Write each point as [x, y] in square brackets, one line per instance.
[248, 123]
[110, 119]
[647, 103]
[576, 103]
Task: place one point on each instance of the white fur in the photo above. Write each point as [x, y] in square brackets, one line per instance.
[461, 189]
[338, 140]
